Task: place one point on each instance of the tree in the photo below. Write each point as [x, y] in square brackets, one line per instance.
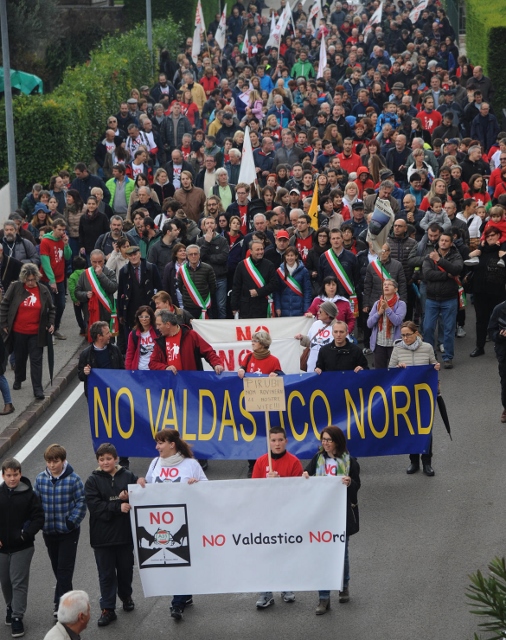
[488, 596]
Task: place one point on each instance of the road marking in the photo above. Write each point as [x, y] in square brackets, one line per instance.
[46, 429]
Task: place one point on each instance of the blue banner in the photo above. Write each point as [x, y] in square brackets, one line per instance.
[382, 413]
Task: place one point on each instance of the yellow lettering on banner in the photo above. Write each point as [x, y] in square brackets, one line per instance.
[170, 423]
[281, 424]
[98, 406]
[205, 393]
[248, 437]
[423, 386]
[186, 435]
[296, 394]
[381, 392]
[401, 411]
[319, 394]
[227, 421]
[124, 391]
[359, 421]
[154, 427]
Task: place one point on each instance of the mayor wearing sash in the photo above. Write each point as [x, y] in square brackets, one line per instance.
[342, 264]
[255, 282]
[94, 291]
[196, 281]
[379, 269]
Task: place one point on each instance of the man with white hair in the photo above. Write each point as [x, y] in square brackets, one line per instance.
[73, 617]
[233, 166]
[223, 190]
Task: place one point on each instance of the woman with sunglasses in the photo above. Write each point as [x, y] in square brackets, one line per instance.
[411, 351]
[333, 459]
[141, 340]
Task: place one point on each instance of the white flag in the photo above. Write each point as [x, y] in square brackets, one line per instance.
[316, 11]
[416, 12]
[323, 58]
[247, 173]
[245, 44]
[280, 28]
[199, 29]
[221, 31]
[375, 19]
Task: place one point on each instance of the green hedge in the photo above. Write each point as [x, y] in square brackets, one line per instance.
[56, 130]
[486, 43]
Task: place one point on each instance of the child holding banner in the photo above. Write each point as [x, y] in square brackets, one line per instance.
[175, 464]
[284, 465]
[333, 459]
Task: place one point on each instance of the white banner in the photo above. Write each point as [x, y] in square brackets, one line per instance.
[215, 331]
[234, 354]
[247, 172]
[323, 57]
[236, 536]
[418, 10]
[376, 18]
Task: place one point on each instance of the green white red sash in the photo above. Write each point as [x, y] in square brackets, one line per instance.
[103, 298]
[259, 281]
[461, 293]
[380, 270]
[344, 279]
[198, 300]
[290, 282]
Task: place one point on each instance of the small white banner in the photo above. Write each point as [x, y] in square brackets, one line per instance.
[236, 536]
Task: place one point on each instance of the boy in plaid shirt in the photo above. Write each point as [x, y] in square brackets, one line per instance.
[61, 492]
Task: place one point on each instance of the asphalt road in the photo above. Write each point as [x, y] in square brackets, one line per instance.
[420, 537]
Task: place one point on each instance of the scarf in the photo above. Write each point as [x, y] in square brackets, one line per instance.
[343, 464]
[391, 303]
[172, 461]
[262, 354]
[409, 347]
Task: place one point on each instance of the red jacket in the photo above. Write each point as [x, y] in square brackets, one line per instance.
[134, 348]
[193, 349]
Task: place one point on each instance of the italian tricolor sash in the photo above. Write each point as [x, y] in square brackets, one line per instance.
[380, 270]
[344, 279]
[103, 298]
[461, 293]
[290, 282]
[259, 281]
[195, 293]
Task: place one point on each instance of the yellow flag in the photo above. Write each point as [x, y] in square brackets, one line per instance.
[313, 209]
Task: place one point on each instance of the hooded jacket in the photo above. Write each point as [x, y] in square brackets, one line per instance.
[109, 525]
[53, 263]
[441, 284]
[62, 500]
[21, 516]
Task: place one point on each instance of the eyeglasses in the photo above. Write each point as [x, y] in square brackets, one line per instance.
[407, 335]
[327, 440]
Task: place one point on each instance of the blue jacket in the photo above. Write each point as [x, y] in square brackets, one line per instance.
[63, 501]
[284, 118]
[266, 83]
[290, 303]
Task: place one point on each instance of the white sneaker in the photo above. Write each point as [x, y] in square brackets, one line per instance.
[472, 261]
[500, 263]
[288, 596]
[461, 332]
[265, 600]
[366, 351]
[442, 348]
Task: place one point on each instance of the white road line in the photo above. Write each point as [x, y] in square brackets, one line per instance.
[45, 430]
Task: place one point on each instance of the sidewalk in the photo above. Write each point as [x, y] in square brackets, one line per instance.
[28, 409]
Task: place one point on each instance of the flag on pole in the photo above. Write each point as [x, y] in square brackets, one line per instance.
[416, 12]
[316, 11]
[199, 30]
[313, 209]
[323, 58]
[279, 30]
[221, 31]
[245, 44]
[247, 173]
[375, 19]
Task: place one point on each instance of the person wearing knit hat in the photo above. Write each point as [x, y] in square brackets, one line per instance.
[319, 334]
[329, 308]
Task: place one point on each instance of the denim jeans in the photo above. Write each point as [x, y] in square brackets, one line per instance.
[219, 300]
[346, 574]
[58, 301]
[446, 312]
[5, 390]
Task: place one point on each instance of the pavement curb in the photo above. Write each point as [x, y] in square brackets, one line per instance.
[13, 432]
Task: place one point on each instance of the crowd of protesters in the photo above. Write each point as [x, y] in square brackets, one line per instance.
[160, 220]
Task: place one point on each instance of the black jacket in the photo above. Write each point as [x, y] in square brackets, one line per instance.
[88, 357]
[91, 228]
[85, 185]
[150, 281]
[21, 517]
[496, 324]
[108, 524]
[350, 265]
[352, 518]
[441, 285]
[334, 358]
[241, 299]
[488, 278]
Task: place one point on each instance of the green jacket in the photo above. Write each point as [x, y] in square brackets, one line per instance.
[72, 282]
[304, 69]
[129, 187]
